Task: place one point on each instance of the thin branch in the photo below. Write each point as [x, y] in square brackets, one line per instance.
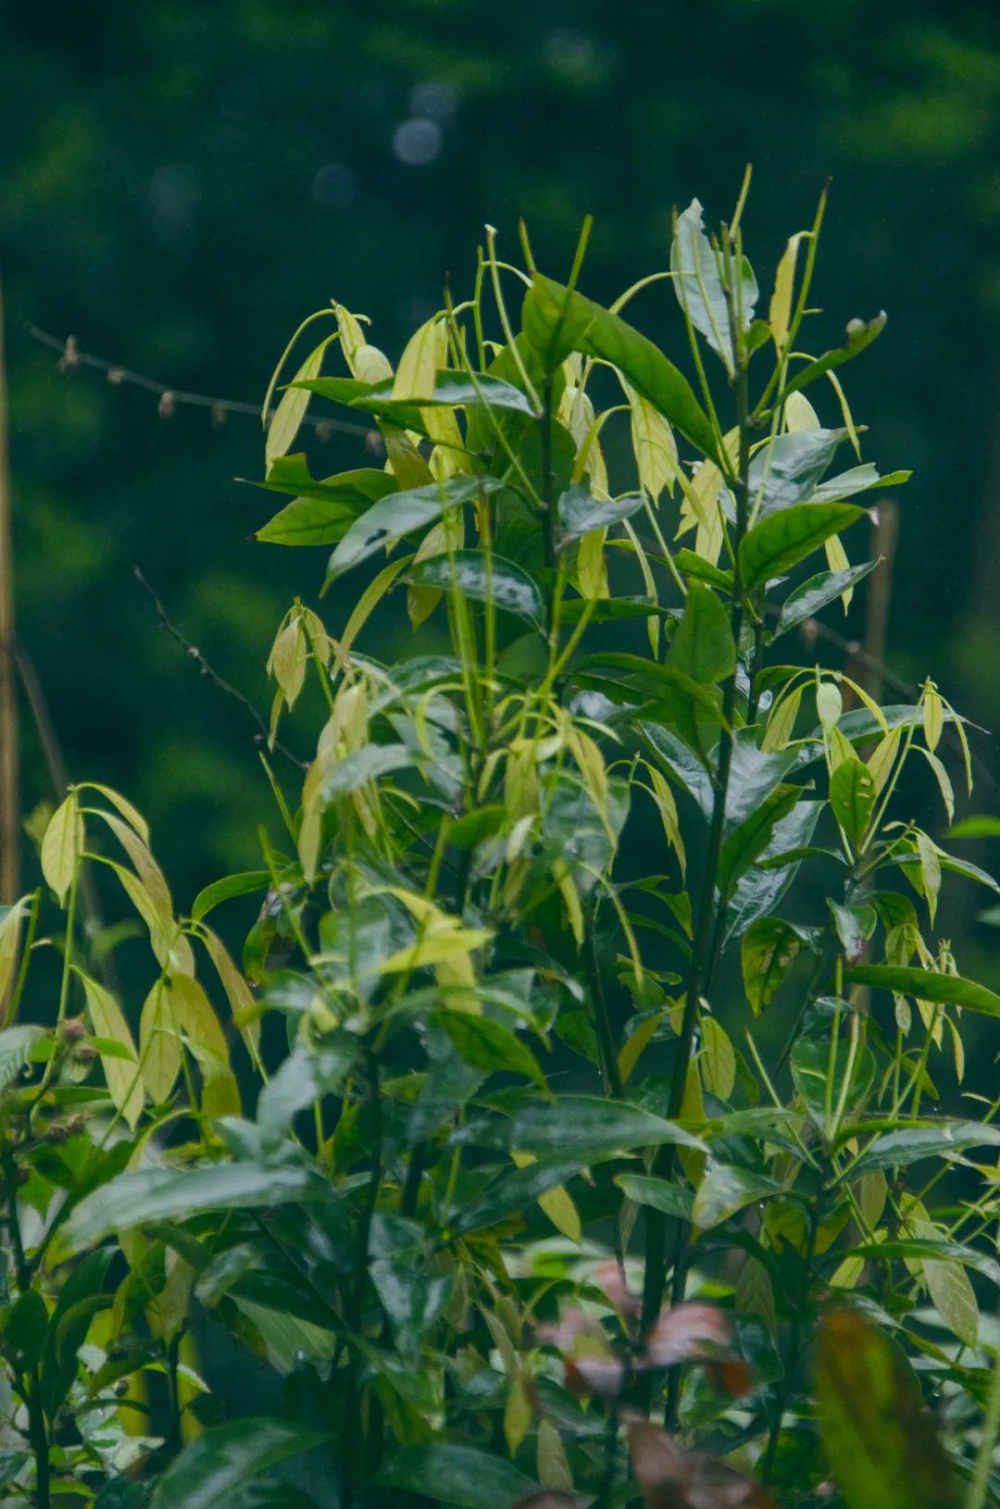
[208, 670]
[71, 357]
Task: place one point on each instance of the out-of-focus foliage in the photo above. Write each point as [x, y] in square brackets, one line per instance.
[178, 181]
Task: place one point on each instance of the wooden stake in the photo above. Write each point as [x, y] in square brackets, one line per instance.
[10, 796]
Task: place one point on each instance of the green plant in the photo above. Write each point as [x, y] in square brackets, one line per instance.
[562, 1171]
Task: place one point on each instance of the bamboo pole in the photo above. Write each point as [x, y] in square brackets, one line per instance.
[10, 799]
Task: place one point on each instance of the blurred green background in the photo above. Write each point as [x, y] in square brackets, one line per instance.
[181, 182]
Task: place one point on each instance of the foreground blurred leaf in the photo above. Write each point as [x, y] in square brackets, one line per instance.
[461, 1475]
[883, 1450]
[228, 1456]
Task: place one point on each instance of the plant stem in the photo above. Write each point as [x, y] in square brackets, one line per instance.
[37, 1429]
[708, 930]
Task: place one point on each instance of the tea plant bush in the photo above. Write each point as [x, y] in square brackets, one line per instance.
[572, 1129]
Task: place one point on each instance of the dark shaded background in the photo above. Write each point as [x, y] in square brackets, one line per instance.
[181, 182]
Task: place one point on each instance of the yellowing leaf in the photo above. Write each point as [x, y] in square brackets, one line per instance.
[836, 556]
[717, 1059]
[425, 354]
[780, 311]
[291, 410]
[159, 1043]
[653, 444]
[62, 846]
[121, 1075]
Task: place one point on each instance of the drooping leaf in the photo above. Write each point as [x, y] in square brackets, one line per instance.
[777, 543]
[768, 950]
[122, 1074]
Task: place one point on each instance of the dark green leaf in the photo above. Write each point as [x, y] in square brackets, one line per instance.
[812, 1061]
[587, 1125]
[752, 836]
[558, 321]
[925, 985]
[485, 1044]
[852, 798]
[776, 544]
[703, 647]
[672, 1199]
[22, 1339]
[703, 571]
[453, 1474]
[16, 1044]
[223, 890]
[940, 1139]
[212, 1466]
[164, 1194]
[579, 513]
[855, 924]
[364, 765]
[400, 514]
[785, 470]
[483, 578]
[823, 588]
[451, 390]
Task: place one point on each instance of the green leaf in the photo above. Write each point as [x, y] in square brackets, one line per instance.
[768, 950]
[699, 286]
[558, 321]
[703, 571]
[412, 1297]
[813, 595]
[452, 390]
[859, 479]
[312, 520]
[166, 1194]
[852, 798]
[785, 470]
[16, 1044]
[366, 764]
[226, 1456]
[760, 889]
[926, 985]
[485, 1044]
[23, 1337]
[860, 333]
[586, 1125]
[940, 1139]
[454, 1474]
[752, 836]
[811, 1066]
[881, 1444]
[399, 514]
[775, 544]
[855, 924]
[483, 578]
[579, 513]
[223, 890]
[672, 1199]
[703, 647]
[725, 1189]
[976, 827]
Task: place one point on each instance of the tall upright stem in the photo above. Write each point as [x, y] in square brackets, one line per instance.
[710, 914]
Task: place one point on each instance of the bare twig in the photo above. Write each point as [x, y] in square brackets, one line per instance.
[71, 357]
[208, 670]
